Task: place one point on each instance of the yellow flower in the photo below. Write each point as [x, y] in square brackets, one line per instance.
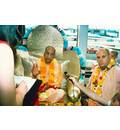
[69, 104]
[77, 103]
[99, 91]
[97, 80]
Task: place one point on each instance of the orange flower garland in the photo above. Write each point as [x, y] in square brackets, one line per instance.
[98, 78]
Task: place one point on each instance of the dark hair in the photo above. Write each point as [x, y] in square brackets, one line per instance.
[115, 53]
[8, 33]
[20, 32]
[115, 98]
[11, 34]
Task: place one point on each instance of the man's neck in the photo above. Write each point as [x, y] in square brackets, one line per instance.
[103, 68]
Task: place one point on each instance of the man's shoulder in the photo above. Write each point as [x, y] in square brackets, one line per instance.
[116, 67]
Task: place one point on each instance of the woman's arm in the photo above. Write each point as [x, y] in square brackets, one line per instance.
[21, 90]
[7, 84]
[9, 95]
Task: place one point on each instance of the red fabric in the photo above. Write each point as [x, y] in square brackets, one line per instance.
[41, 88]
[3, 42]
[37, 102]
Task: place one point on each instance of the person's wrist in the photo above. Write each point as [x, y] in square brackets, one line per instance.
[35, 75]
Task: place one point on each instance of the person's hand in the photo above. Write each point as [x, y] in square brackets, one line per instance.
[74, 81]
[52, 95]
[21, 90]
[55, 95]
[93, 103]
[35, 70]
[46, 96]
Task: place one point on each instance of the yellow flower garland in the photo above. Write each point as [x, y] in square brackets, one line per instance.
[97, 80]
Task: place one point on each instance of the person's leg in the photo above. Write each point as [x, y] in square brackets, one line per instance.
[21, 90]
[32, 95]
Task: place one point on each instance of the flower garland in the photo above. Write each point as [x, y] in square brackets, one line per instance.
[98, 77]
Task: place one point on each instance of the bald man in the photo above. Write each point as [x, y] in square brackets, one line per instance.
[49, 71]
[104, 82]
